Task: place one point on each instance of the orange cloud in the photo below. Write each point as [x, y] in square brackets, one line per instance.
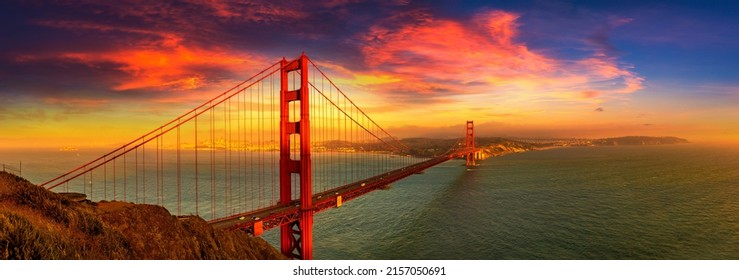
[164, 64]
[171, 66]
[441, 57]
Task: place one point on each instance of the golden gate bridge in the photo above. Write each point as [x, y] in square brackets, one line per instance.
[270, 152]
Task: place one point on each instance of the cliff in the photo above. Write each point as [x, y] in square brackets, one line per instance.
[39, 224]
[494, 146]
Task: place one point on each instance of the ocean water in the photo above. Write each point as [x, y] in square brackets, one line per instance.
[641, 202]
[249, 182]
[650, 202]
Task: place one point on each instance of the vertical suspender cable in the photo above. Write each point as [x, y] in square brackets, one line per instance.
[179, 172]
[197, 209]
[137, 175]
[105, 180]
[143, 167]
[115, 197]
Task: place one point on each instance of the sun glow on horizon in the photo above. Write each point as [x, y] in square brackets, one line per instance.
[416, 71]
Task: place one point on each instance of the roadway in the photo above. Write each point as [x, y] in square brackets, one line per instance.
[278, 215]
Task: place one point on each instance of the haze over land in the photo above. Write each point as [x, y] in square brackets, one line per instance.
[498, 146]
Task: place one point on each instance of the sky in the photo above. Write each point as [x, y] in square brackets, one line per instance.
[75, 73]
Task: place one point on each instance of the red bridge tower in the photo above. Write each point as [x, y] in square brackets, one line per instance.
[296, 238]
[470, 143]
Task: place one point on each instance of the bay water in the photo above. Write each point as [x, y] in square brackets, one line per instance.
[626, 202]
[640, 202]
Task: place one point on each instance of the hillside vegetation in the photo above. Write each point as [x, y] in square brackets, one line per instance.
[39, 224]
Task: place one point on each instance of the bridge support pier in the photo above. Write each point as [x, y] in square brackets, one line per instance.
[470, 143]
[296, 238]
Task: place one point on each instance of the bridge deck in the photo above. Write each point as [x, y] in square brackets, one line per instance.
[278, 215]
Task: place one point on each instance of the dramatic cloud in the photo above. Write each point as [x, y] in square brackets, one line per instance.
[407, 55]
[548, 62]
[415, 54]
[164, 66]
[147, 52]
[93, 49]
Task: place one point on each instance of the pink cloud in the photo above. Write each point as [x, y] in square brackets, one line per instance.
[172, 67]
[159, 61]
[422, 55]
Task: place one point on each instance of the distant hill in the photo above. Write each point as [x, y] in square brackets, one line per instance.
[496, 146]
[39, 224]
[638, 140]
[429, 147]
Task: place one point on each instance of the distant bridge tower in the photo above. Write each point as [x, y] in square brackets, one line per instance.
[470, 143]
[296, 238]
